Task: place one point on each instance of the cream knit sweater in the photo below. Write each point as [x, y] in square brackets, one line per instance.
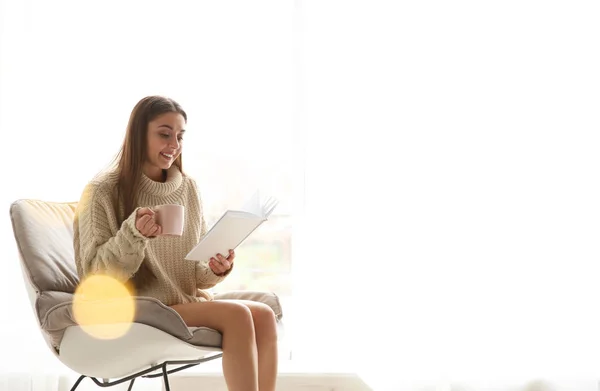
[102, 246]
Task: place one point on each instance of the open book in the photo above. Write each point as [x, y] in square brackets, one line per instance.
[232, 228]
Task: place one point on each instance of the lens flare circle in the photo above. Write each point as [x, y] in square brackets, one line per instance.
[103, 307]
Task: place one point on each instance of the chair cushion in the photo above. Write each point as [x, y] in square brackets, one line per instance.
[204, 336]
[150, 311]
[56, 310]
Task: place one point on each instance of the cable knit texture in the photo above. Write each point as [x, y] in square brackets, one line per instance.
[102, 246]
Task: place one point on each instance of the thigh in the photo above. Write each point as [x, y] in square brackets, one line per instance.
[219, 314]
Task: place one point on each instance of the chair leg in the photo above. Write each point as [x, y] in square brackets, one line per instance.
[166, 377]
[77, 382]
[131, 384]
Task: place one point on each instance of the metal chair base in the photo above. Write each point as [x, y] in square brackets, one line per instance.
[164, 373]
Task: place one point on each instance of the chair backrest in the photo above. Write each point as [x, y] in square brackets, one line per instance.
[44, 235]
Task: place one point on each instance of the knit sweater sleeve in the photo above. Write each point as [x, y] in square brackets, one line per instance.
[99, 249]
[205, 277]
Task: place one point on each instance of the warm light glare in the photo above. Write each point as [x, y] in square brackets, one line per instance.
[103, 307]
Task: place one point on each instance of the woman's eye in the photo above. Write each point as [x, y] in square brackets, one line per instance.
[180, 138]
[164, 135]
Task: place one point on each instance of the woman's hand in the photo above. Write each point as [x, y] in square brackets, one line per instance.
[145, 222]
[220, 265]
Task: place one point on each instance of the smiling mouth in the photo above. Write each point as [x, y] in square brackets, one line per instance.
[166, 155]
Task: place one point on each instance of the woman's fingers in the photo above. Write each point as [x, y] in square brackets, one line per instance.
[146, 222]
[224, 261]
[145, 211]
[141, 223]
[149, 225]
[144, 219]
[214, 266]
[154, 230]
[219, 264]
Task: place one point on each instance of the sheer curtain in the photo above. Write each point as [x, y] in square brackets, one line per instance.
[452, 193]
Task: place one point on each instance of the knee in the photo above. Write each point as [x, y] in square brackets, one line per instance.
[264, 319]
[241, 316]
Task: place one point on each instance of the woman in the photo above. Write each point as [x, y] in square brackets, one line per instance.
[115, 233]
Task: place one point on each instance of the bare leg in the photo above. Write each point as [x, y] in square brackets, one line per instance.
[265, 328]
[234, 321]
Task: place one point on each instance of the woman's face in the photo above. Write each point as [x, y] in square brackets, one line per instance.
[165, 136]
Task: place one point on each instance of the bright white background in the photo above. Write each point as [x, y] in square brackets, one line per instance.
[444, 156]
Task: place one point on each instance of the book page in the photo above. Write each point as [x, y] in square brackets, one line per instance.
[259, 205]
[252, 204]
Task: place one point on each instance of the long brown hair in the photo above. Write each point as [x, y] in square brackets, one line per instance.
[132, 157]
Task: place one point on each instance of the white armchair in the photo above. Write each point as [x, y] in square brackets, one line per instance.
[156, 344]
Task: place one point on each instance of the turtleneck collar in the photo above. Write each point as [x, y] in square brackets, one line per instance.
[173, 182]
